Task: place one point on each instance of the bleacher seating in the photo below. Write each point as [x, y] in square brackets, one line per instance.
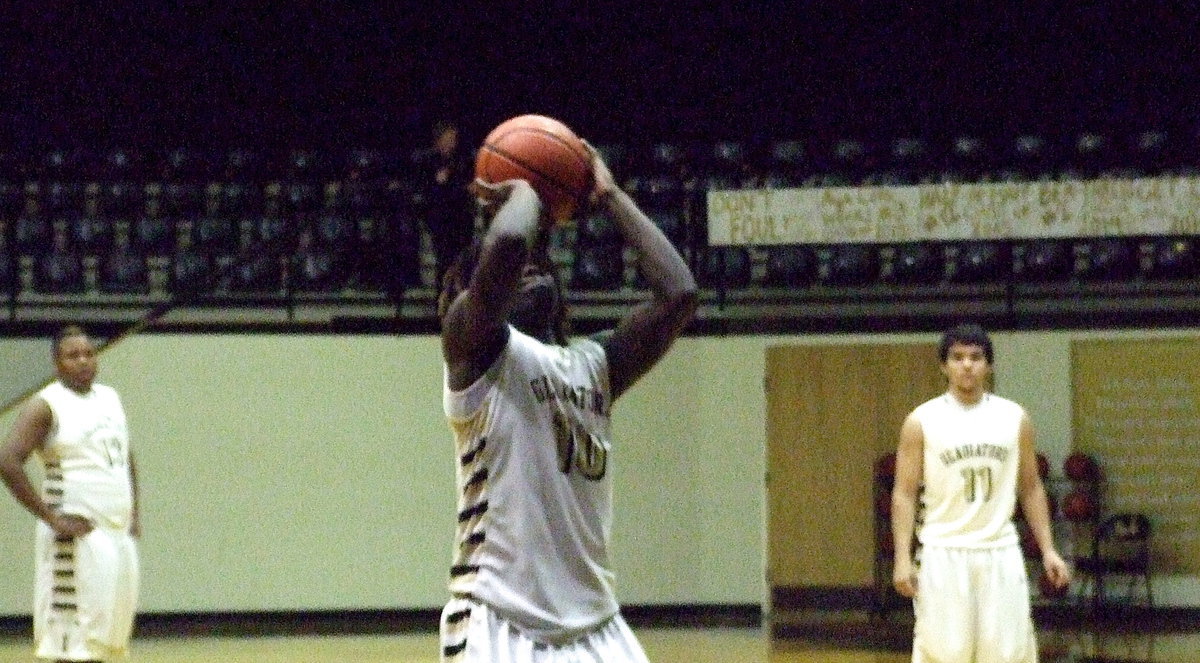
[847, 264]
[1105, 259]
[346, 223]
[789, 267]
[124, 270]
[190, 270]
[921, 263]
[979, 261]
[725, 268]
[599, 261]
[1043, 260]
[314, 266]
[60, 270]
[1169, 258]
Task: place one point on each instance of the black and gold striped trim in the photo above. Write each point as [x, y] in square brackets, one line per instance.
[469, 457]
[480, 476]
[473, 511]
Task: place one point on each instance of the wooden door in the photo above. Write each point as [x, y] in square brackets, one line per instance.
[831, 412]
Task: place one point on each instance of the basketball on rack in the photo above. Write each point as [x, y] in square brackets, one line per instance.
[1081, 467]
[1079, 506]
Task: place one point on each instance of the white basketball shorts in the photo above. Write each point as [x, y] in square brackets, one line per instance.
[472, 633]
[973, 605]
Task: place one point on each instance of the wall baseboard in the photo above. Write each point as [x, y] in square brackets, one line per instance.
[365, 622]
[854, 614]
[823, 598]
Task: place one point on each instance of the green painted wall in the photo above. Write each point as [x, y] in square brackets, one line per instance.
[308, 472]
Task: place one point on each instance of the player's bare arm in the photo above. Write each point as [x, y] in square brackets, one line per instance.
[475, 328]
[909, 469]
[1031, 493]
[647, 332]
[28, 432]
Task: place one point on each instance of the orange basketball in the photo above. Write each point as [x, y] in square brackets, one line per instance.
[544, 152]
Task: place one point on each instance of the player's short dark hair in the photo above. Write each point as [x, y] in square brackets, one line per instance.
[967, 333]
[67, 331]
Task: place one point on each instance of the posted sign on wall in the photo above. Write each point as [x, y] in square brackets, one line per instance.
[1137, 411]
[940, 212]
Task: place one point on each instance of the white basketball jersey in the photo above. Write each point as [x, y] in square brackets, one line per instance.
[970, 471]
[86, 455]
[535, 487]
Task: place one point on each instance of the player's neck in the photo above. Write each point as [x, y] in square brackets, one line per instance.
[969, 396]
[545, 335]
[81, 388]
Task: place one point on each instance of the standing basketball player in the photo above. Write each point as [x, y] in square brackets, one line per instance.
[86, 584]
[973, 453]
[530, 415]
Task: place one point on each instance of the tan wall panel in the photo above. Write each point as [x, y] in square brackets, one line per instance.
[1137, 410]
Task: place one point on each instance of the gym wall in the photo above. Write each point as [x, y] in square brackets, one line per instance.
[313, 472]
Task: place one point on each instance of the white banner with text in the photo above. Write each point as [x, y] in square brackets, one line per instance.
[940, 212]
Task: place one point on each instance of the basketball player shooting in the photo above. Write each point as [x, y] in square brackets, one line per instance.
[974, 454]
[530, 414]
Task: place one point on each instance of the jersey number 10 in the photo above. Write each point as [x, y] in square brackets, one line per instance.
[579, 450]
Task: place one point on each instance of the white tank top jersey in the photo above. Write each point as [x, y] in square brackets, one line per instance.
[86, 455]
[535, 487]
[970, 471]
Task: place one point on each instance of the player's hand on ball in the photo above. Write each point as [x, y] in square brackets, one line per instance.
[491, 195]
[492, 192]
[604, 183]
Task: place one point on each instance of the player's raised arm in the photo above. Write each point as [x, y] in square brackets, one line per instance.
[645, 334]
[474, 321]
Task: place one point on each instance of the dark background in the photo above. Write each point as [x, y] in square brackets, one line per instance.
[334, 74]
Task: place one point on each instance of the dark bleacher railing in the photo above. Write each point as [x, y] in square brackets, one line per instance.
[197, 238]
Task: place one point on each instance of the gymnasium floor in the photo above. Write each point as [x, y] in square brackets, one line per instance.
[735, 645]
[664, 645]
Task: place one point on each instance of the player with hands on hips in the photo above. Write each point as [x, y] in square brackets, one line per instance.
[86, 561]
